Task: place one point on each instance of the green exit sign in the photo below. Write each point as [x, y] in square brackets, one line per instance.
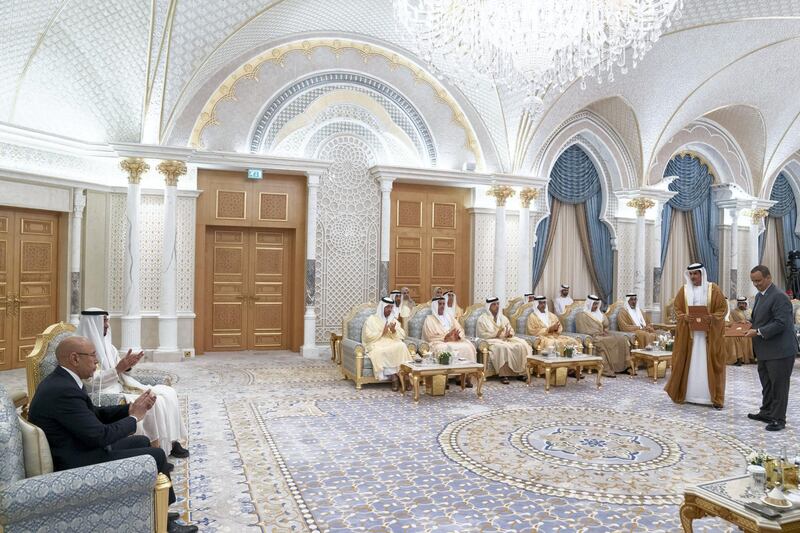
[254, 174]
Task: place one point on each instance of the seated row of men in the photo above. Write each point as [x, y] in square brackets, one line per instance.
[383, 333]
[81, 433]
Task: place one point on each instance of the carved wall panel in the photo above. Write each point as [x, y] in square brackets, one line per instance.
[232, 205]
[483, 256]
[273, 206]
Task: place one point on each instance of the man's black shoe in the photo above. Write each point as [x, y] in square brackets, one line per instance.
[759, 417]
[775, 426]
[175, 527]
[172, 516]
[179, 451]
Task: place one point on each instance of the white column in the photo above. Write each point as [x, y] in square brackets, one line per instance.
[655, 297]
[78, 204]
[386, 228]
[309, 348]
[641, 205]
[524, 274]
[755, 229]
[168, 350]
[501, 194]
[131, 315]
[733, 255]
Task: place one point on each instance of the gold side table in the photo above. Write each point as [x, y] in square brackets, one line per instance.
[576, 362]
[656, 360]
[435, 377]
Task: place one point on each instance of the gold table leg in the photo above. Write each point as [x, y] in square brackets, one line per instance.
[655, 371]
[415, 380]
[634, 371]
[547, 379]
[599, 375]
[479, 387]
[690, 512]
[528, 370]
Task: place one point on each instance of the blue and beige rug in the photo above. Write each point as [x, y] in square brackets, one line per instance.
[284, 444]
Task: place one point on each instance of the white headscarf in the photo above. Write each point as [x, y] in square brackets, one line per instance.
[489, 302]
[396, 308]
[385, 301]
[445, 318]
[587, 306]
[406, 297]
[450, 310]
[91, 327]
[688, 288]
[635, 314]
[544, 316]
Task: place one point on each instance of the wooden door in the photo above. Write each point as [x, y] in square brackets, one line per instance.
[270, 282]
[250, 280]
[7, 307]
[228, 255]
[28, 281]
[430, 241]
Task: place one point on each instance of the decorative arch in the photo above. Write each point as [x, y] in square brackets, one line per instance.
[316, 102]
[323, 51]
[710, 142]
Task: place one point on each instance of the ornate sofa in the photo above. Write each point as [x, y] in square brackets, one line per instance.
[42, 360]
[519, 321]
[414, 325]
[511, 309]
[355, 364]
[124, 495]
[611, 313]
[469, 322]
[568, 322]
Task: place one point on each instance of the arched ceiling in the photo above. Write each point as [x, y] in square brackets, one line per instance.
[122, 71]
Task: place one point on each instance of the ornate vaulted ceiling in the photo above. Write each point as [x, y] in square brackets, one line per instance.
[126, 71]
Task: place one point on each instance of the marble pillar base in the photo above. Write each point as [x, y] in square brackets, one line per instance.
[310, 351]
[168, 334]
[166, 356]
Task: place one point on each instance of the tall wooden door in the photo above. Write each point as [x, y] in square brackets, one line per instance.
[430, 240]
[250, 278]
[28, 281]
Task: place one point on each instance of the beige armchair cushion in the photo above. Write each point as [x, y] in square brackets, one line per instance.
[38, 460]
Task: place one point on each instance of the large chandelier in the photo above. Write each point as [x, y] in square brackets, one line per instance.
[535, 46]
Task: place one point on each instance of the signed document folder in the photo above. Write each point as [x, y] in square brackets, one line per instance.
[737, 329]
[699, 319]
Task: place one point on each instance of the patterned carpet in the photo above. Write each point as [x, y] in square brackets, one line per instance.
[284, 444]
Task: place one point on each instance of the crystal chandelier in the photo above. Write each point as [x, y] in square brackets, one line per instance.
[535, 45]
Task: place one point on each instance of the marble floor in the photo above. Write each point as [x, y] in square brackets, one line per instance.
[280, 443]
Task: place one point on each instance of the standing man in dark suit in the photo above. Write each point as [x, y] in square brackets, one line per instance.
[775, 347]
[81, 434]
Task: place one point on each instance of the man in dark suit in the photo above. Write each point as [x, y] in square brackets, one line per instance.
[775, 347]
[81, 434]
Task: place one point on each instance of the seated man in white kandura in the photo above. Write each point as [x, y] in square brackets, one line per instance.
[444, 334]
[507, 353]
[383, 340]
[547, 329]
[614, 349]
[162, 424]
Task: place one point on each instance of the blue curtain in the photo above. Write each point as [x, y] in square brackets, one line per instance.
[693, 185]
[786, 210]
[574, 180]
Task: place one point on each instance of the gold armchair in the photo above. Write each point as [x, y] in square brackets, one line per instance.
[39, 363]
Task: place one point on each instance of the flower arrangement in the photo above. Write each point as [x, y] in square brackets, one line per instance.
[444, 358]
[569, 351]
[758, 458]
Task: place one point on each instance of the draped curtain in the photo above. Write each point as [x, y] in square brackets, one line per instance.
[574, 180]
[785, 214]
[566, 261]
[773, 257]
[693, 185]
[679, 256]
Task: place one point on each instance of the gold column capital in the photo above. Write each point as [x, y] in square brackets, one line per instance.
[501, 193]
[135, 167]
[527, 195]
[172, 170]
[757, 214]
[641, 205]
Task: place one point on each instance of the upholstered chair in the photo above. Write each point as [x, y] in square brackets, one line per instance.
[469, 322]
[356, 365]
[124, 495]
[613, 327]
[414, 325]
[42, 360]
[568, 322]
[513, 304]
[520, 323]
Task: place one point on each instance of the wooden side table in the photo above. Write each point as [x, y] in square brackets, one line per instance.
[577, 363]
[654, 358]
[725, 498]
[436, 375]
